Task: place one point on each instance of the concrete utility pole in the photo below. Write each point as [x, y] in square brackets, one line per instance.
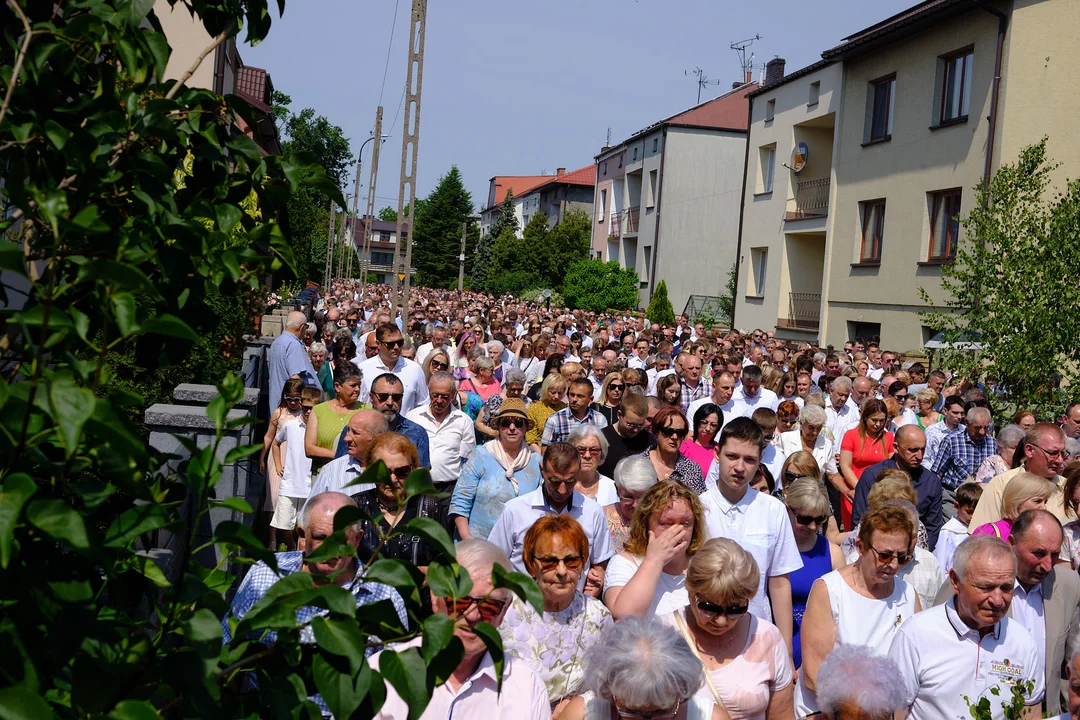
[341, 240]
[351, 239]
[410, 141]
[330, 235]
[461, 257]
[369, 217]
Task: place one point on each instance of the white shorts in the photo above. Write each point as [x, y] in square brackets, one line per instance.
[287, 512]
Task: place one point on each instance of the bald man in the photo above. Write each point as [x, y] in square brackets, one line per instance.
[339, 472]
[288, 357]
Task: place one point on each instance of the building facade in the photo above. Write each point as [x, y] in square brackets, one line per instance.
[675, 207]
[557, 195]
[384, 243]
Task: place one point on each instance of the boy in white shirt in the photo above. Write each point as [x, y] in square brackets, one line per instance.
[955, 531]
[295, 471]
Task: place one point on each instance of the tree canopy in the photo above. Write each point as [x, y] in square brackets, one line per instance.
[596, 286]
[542, 255]
[437, 231]
[660, 310]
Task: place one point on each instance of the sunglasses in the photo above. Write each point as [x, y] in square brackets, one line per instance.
[547, 564]
[650, 715]
[383, 397]
[614, 386]
[488, 607]
[293, 399]
[807, 519]
[439, 365]
[392, 343]
[307, 408]
[401, 472]
[670, 431]
[512, 422]
[887, 557]
[588, 451]
[714, 609]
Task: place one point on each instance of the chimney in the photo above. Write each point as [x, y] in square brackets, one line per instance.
[736, 85]
[560, 171]
[774, 71]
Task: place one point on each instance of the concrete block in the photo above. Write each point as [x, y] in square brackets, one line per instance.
[164, 417]
[193, 394]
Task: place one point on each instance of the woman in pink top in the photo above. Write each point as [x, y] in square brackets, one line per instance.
[863, 446]
[483, 383]
[701, 446]
[1024, 492]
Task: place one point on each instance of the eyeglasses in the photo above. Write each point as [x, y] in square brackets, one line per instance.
[351, 321]
[670, 431]
[713, 609]
[401, 472]
[1055, 454]
[439, 365]
[635, 426]
[616, 386]
[789, 420]
[887, 557]
[512, 422]
[547, 564]
[648, 715]
[383, 397]
[790, 477]
[308, 408]
[392, 343]
[440, 396]
[588, 450]
[488, 607]
[293, 399]
[807, 519]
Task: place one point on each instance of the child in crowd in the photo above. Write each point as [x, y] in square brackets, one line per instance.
[296, 468]
[955, 531]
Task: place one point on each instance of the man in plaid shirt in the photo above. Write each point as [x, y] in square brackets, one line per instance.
[961, 453]
[579, 398]
[693, 385]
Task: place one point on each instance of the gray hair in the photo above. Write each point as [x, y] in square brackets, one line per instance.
[477, 555]
[975, 412]
[484, 363]
[880, 688]
[495, 348]
[843, 384]
[814, 397]
[513, 375]
[982, 546]
[295, 320]
[1011, 435]
[635, 474]
[441, 376]
[586, 431]
[819, 357]
[812, 415]
[642, 663]
[317, 501]
[316, 347]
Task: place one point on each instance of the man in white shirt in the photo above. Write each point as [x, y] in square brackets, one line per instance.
[451, 436]
[555, 496]
[839, 417]
[967, 646]
[860, 391]
[596, 377]
[751, 395]
[759, 523]
[661, 368]
[438, 342]
[389, 360]
[473, 687]
[640, 359]
[722, 395]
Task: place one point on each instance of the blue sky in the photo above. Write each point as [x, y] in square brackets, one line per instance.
[514, 88]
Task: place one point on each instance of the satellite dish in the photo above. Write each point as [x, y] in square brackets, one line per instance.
[799, 155]
[546, 293]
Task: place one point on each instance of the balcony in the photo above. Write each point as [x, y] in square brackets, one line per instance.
[615, 227]
[804, 312]
[633, 216]
[811, 200]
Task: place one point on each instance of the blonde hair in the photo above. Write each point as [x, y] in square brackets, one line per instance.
[927, 395]
[1024, 486]
[654, 502]
[802, 463]
[807, 496]
[555, 382]
[890, 485]
[724, 571]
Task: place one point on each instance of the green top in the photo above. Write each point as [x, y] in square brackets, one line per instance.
[330, 426]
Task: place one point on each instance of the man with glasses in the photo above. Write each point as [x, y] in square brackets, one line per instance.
[555, 496]
[473, 689]
[628, 435]
[438, 342]
[1044, 455]
[450, 434]
[385, 396]
[910, 443]
[640, 359]
[389, 360]
[758, 522]
[577, 412]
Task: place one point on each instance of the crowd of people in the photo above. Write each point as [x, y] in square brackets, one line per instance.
[722, 524]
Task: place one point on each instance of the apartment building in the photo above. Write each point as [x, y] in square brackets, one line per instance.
[673, 190]
[383, 246]
[498, 188]
[556, 195]
[917, 127]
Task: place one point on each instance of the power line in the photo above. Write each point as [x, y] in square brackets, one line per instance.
[389, 47]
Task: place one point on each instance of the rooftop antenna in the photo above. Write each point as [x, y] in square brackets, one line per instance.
[702, 81]
[607, 143]
[747, 64]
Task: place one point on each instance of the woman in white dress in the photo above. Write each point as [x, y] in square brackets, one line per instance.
[648, 577]
[861, 604]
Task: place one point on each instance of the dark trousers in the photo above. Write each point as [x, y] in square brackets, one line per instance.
[444, 505]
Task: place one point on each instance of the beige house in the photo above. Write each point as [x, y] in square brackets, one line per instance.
[917, 126]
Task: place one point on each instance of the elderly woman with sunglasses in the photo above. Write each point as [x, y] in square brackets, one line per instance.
[747, 668]
[808, 510]
[498, 471]
[670, 428]
[552, 643]
[512, 387]
[860, 604]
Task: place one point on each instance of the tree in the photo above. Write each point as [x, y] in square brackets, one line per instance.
[138, 206]
[505, 220]
[566, 243]
[1012, 287]
[660, 310]
[388, 214]
[437, 231]
[596, 286]
[321, 140]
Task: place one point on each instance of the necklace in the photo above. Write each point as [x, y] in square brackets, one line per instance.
[720, 646]
[394, 519]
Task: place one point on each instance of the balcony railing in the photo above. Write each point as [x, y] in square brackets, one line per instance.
[615, 228]
[811, 199]
[633, 215]
[804, 310]
[624, 222]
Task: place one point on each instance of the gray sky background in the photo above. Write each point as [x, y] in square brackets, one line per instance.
[514, 88]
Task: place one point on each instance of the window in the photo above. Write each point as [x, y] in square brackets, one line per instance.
[635, 155]
[956, 87]
[647, 257]
[873, 227]
[650, 201]
[882, 95]
[815, 93]
[770, 110]
[620, 161]
[767, 159]
[655, 144]
[604, 169]
[525, 221]
[384, 237]
[944, 224]
[759, 258]
[603, 205]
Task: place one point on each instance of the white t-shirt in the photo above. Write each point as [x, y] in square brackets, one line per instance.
[745, 406]
[296, 473]
[605, 492]
[670, 589]
[952, 534]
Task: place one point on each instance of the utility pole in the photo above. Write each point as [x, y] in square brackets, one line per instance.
[369, 217]
[461, 257]
[330, 235]
[341, 240]
[355, 201]
[410, 141]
